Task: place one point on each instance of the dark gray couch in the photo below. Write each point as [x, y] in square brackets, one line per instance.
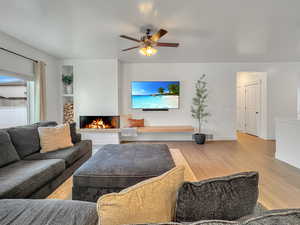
[67, 212]
[27, 173]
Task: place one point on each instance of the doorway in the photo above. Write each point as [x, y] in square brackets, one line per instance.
[252, 103]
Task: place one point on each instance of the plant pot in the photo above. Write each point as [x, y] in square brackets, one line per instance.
[68, 89]
[199, 138]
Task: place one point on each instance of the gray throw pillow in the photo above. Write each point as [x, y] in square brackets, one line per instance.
[73, 132]
[8, 153]
[223, 198]
[25, 139]
[276, 217]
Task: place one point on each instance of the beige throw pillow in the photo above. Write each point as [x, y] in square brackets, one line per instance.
[150, 201]
[54, 138]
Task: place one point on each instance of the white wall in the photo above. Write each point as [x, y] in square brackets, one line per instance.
[52, 71]
[95, 87]
[288, 141]
[221, 95]
[282, 92]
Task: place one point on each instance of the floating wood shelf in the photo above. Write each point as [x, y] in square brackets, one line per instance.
[166, 129]
[108, 130]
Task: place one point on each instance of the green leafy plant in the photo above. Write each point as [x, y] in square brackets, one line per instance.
[198, 109]
[161, 90]
[67, 79]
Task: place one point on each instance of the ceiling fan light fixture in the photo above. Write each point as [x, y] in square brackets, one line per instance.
[148, 51]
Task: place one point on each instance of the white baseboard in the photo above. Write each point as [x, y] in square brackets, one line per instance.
[220, 138]
[226, 138]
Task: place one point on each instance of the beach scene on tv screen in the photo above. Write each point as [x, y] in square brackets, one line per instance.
[155, 94]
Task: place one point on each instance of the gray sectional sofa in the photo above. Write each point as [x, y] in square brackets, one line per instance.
[27, 173]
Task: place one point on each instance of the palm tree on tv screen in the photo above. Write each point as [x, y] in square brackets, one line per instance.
[173, 89]
[161, 90]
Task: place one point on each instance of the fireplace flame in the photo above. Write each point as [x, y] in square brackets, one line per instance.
[98, 124]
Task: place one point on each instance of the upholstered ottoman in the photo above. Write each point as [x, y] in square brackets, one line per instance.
[115, 167]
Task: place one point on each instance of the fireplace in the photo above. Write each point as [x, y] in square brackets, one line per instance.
[99, 122]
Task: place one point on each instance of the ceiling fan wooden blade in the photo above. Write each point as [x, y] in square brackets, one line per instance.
[129, 38]
[127, 49]
[161, 44]
[155, 37]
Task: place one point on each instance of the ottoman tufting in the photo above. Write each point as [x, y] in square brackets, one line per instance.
[116, 167]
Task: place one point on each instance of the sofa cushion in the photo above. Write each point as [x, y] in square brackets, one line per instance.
[8, 153]
[46, 124]
[47, 212]
[276, 217]
[70, 155]
[224, 198]
[204, 222]
[25, 139]
[22, 178]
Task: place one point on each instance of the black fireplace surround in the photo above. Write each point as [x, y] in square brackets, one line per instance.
[99, 122]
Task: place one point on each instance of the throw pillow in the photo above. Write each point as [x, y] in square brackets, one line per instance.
[8, 153]
[73, 132]
[54, 138]
[25, 139]
[135, 123]
[150, 201]
[223, 198]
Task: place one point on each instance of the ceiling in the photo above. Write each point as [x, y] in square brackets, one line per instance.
[207, 30]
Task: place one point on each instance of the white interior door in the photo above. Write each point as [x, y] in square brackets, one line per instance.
[252, 109]
[240, 109]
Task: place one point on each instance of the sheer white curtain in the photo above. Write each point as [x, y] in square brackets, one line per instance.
[40, 91]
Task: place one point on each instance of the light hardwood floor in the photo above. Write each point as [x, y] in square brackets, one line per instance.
[279, 182]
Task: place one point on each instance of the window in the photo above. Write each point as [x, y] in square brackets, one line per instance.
[15, 101]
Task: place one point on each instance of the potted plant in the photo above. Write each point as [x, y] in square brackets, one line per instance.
[67, 81]
[198, 109]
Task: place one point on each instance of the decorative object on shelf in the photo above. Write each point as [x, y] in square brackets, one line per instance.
[68, 81]
[68, 113]
[199, 111]
[136, 123]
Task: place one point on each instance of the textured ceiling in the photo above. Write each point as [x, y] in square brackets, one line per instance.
[208, 30]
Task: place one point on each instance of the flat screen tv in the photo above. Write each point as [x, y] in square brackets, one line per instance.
[155, 94]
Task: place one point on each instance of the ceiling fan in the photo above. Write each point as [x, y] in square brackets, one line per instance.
[149, 41]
